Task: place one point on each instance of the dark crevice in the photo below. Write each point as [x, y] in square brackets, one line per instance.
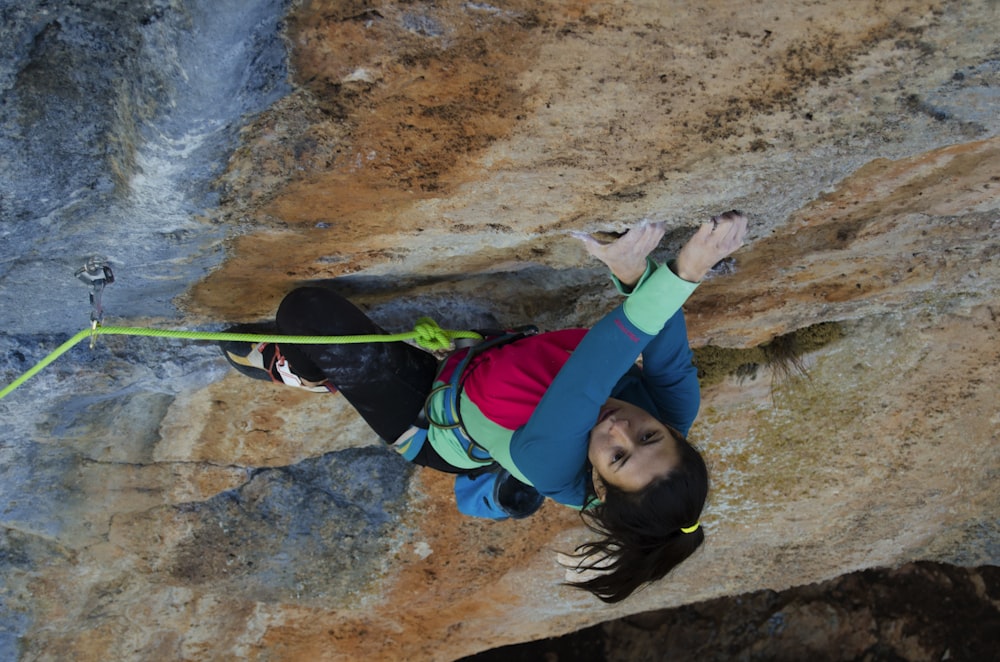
[923, 610]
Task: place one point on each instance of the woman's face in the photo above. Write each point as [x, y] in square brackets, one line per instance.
[629, 448]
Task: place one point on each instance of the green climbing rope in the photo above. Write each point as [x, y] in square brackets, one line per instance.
[425, 332]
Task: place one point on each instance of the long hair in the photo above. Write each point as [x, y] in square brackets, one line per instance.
[641, 531]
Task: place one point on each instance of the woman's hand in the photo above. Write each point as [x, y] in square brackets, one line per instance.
[714, 241]
[626, 256]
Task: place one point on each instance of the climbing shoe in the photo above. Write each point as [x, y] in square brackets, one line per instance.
[264, 360]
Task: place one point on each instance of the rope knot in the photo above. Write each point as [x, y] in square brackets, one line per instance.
[429, 335]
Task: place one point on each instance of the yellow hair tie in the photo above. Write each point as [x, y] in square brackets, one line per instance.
[690, 529]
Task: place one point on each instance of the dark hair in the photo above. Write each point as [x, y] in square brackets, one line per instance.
[642, 538]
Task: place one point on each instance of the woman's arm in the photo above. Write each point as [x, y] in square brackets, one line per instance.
[670, 375]
[551, 448]
[667, 359]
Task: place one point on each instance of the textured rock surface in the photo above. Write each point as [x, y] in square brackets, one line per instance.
[433, 158]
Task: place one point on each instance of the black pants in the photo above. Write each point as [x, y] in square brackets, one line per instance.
[387, 383]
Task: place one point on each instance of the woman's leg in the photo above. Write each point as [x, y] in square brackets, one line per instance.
[386, 383]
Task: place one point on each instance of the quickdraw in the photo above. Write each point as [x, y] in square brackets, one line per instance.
[96, 274]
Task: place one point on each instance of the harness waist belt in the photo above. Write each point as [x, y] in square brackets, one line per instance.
[453, 391]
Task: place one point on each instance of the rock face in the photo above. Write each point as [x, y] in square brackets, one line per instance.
[432, 158]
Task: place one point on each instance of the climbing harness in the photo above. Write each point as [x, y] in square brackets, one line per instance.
[453, 391]
[489, 491]
[96, 273]
[410, 444]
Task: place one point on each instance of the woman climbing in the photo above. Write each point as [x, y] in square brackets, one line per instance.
[521, 416]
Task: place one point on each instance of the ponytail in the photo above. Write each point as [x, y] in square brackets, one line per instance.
[642, 537]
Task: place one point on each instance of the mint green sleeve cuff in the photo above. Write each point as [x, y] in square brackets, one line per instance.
[656, 297]
[625, 289]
